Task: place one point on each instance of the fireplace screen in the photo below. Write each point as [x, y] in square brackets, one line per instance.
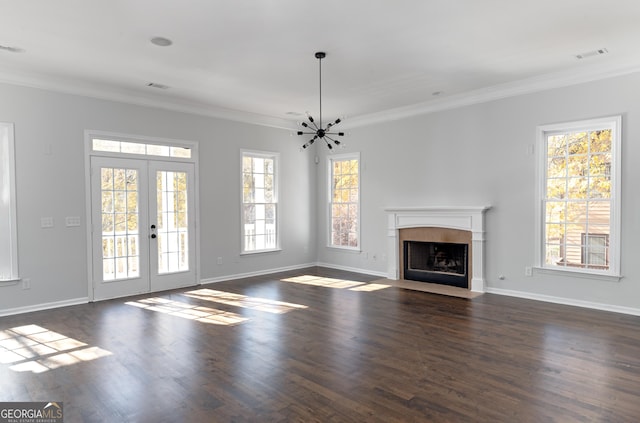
[436, 262]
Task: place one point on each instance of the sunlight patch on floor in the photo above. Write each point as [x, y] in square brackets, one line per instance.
[370, 287]
[32, 348]
[189, 311]
[239, 300]
[335, 283]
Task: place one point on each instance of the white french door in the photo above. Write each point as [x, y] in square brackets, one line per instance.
[143, 226]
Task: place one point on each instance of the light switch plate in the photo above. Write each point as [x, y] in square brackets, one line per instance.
[72, 221]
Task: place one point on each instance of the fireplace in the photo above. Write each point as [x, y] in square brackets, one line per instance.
[436, 262]
[458, 232]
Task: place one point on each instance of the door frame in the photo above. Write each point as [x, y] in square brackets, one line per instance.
[89, 152]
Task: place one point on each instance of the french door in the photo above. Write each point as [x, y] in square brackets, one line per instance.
[143, 226]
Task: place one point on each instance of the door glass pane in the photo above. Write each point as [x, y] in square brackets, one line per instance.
[120, 232]
[172, 226]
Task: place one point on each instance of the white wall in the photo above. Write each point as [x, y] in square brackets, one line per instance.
[478, 155]
[49, 135]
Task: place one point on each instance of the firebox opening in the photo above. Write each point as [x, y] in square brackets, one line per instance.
[436, 262]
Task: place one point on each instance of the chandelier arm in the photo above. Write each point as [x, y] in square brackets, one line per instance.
[336, 142]
[310, 142]
[313, 123]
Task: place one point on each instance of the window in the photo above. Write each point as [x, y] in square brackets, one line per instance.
[579, 196]
[8, 233]
[126, 147]
[344, 203]
[259, 202]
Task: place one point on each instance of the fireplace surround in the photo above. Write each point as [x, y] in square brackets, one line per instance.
[456, 224]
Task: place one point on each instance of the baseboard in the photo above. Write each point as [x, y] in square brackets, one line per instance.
[44, 306]
[565, 301]
[353, 269]
[257, 273]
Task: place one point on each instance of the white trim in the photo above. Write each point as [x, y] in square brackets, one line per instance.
[289, 268]
[565, 301]
[43, 306]
[237, 276]
[330, 159]
[276, 192]
[614, 122]
[10, 175]
[89, 134]
[454, 217]
[74, 86]
[536, 84]
[549, 81]
[353, 269]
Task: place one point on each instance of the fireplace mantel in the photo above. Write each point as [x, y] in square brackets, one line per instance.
[453, 217]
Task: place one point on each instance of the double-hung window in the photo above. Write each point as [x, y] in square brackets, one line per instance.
[259, 201]
[579, 192]
[8, 233]
[344, 201]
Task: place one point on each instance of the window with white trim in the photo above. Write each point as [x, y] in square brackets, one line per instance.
[344, 201]
[579, 190]
[8, 232]
[259, 202]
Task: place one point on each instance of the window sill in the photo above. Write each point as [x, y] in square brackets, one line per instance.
[249, 253]
[10, 282]
[578, 274]
[345, 249]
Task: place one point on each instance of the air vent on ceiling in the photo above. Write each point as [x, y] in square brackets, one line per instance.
[592, 53]
[156, 85]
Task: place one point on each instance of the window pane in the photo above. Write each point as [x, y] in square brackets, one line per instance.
[557, 188]
[600, 141]
[106, 145]
[556, 145]
[132, 148]
[556, 211]
[180, 152]
[158, 150]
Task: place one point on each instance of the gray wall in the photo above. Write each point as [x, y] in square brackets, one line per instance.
[49, 136]
[478, 155]
[475, 155]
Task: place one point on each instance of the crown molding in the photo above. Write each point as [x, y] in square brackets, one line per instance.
[103, 92]
[496, 92]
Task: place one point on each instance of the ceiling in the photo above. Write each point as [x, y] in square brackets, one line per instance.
[253, 60]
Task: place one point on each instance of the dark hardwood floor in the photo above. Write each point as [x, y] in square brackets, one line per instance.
[322, 345]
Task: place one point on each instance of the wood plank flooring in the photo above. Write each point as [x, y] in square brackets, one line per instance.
[320, 345]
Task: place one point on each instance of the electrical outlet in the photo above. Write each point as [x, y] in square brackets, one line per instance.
[219, 260]
[26, 284]
[528, 271]
[46, 222]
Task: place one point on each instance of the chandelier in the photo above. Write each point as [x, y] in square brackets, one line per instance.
[316, 129]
